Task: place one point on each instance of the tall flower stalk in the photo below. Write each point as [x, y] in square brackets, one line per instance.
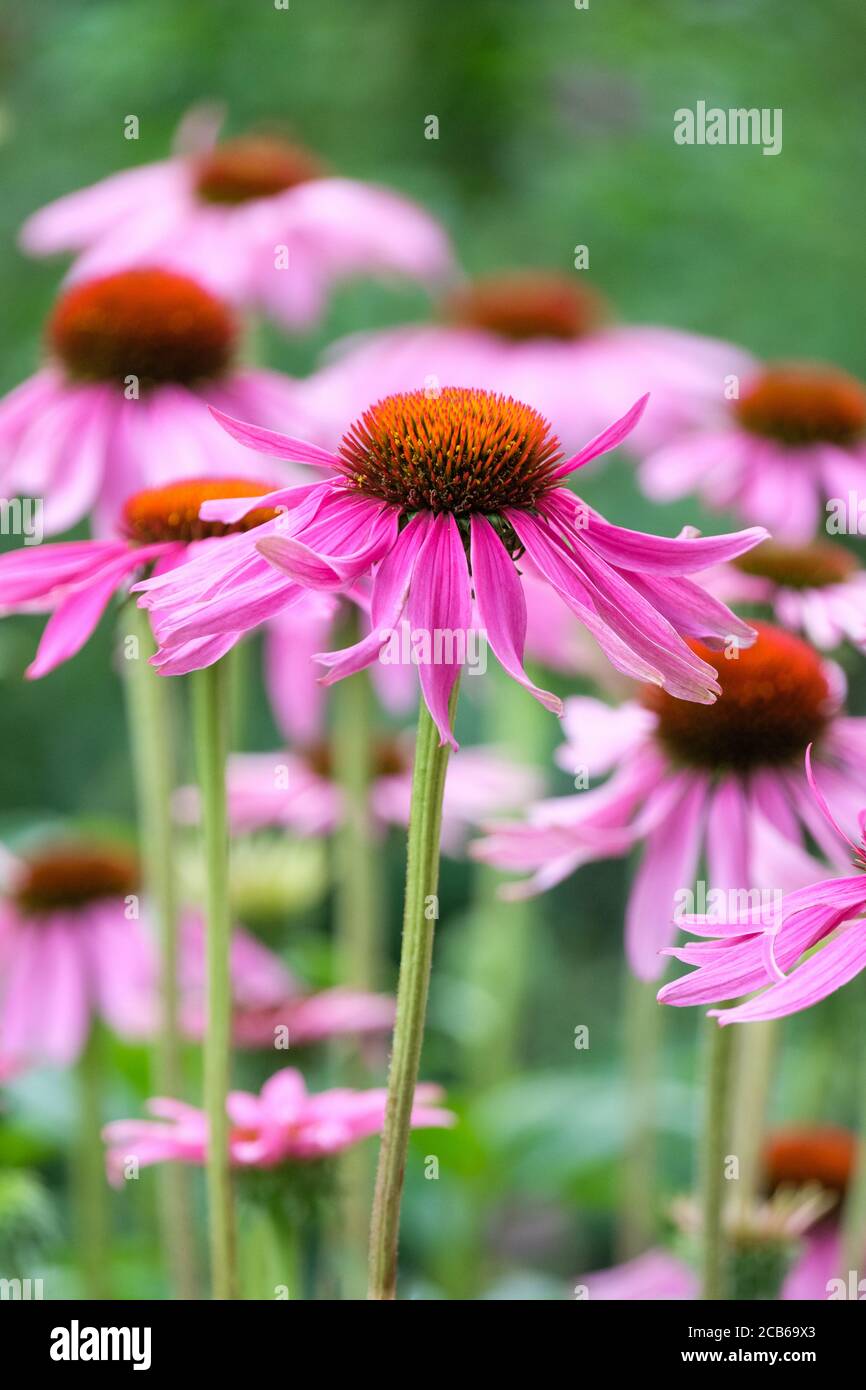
[150, 732]
[358, 924]
[92, 1224]
[713, 1178]
[209, 708]
[419, 917]
[638, 1193]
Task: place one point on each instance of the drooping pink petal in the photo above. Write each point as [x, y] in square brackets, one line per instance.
[274, 443]
[607, 440]
[502, 607]
[440, 609]
[822, 974]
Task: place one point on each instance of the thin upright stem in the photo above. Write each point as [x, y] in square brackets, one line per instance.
[715, 1140]
[421, 908]
[642, 1035]
[152, 745]
[754, 1052]
[210, 728]
[853, 1253]
[91, 1226]
[358, 930]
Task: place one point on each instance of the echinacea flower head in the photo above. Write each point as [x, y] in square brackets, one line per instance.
[532, 334]
[72, 949]
[718, 786]
[76, 580]
[813, 944]
[818, 589]
[284, 1124]
[793, 438]
[259, 219]
[437, 497]
[133, 360]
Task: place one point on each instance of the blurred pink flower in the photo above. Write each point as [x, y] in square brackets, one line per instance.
[795, 436]
[688, 782]
[266, 996]
[258, 219]
[134, 359]
[72, 949]
[541, 337]
[296, 789]
[746, 954]
[658, 1275]
[484, 483]
[76, 580]
[283, 1124]
[817, 589]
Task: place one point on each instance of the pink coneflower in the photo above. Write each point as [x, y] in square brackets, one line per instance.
[659, 1276]
[746, 954]
[424, 488]
[296, 789]
[259, 219]
[691, 783]
[795, 437]
[76, 580]
[269, 1004]
[283, 1124]
[133, 360]
[71, 950]
[817, 589]
[533, 335]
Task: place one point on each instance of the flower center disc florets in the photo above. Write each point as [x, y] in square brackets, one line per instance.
[527, 304]
[774, 702]
[171, 513]
[815, 566]
[802, 405]
[151, 325]
[455, 450]
[795, 1157]
[69, 876]
[255, 166]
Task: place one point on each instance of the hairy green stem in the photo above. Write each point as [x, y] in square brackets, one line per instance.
[853, 1253]
[754, 1052]
[211, 739]
[150, 734]
[91, 1224]
[358, 929]
[638, 1193]
[419, 916]
[713, 1177]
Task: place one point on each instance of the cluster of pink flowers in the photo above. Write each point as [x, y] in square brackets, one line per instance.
[421, 483]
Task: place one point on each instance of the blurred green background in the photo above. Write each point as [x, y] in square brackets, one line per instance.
[556, 128]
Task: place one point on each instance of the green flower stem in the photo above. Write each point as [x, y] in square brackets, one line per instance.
[211, 740]
[358, 929]
[420, 911]
[638, 1194]
[754, 1053]
[150, 733]
[713, 1180]
[91, 1191]
[854, 1214]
